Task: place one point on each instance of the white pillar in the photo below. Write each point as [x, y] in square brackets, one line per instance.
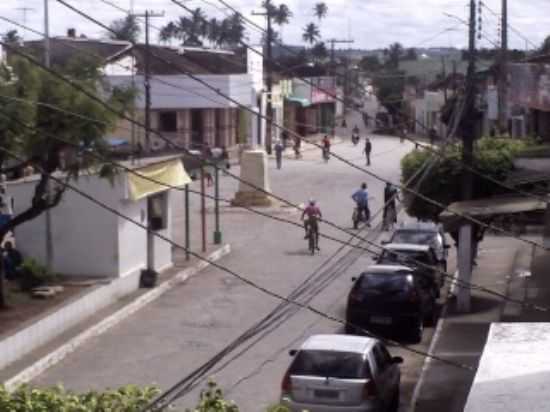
[464, 268]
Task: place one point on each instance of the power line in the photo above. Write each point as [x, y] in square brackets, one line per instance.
[199, 80]
[223, 268]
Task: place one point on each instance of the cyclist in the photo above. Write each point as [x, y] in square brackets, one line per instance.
[313, 214]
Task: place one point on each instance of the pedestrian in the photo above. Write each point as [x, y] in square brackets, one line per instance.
[225, 160]
[433, 135]
[390, 207]
[297, 146]
[279, 149]
[326, 148]
[285, 137]
[368, 150]
[12, 261]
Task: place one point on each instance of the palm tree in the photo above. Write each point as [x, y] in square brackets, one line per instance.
[319, 51]
[282, 15]
[126, 28]
[311, 33]
[320, 10]
[189, 31]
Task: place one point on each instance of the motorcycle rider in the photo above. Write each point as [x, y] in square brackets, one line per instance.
[313, 214]
[361, 198]
[355, 135]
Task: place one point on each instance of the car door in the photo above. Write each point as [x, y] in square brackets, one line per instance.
[384, 375]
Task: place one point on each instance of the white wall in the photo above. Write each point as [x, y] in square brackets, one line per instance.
[84, 235]
[182, 92]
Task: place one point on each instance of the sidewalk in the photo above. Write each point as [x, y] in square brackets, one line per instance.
[462, 337]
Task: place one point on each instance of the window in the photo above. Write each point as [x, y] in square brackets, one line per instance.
[340, 365]
[157, 206]
[385, 283]
[382, 357]
[168, 121]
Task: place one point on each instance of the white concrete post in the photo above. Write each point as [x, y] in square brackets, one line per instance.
[464, 268]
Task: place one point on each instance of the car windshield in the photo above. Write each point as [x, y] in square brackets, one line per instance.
[330, 364]
[385, 282]
[415, 238]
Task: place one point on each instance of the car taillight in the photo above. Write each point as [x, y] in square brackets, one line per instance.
[369, 390]
[286, 385]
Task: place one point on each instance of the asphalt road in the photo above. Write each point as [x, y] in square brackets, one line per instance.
[187, 326]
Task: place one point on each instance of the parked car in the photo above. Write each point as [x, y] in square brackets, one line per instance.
[424, 233]
[391, 298]
[342, 373]
[419, 256]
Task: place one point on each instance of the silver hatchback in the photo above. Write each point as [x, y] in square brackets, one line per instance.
[342, 373]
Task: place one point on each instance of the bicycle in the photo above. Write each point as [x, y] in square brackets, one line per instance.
[312, 237]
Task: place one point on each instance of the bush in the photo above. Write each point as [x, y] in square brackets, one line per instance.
[33, 274]
[494, 157]
[26, 399]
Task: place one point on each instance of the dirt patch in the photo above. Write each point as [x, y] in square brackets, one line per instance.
[22, 308]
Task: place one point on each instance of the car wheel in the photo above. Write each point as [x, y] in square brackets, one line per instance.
[394, 405]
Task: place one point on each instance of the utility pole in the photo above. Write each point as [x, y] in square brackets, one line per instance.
[333, 42]
[503, 77]
[48, 215]
[147, 76]
[469, 129]
[269, 77]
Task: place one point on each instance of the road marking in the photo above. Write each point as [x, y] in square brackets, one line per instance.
[431, 350]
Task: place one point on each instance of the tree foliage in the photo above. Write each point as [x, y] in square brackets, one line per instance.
[394, 54]
[320, 10]
[370, 64]
[311, 33]
[12, 38]
[44, 135]
[197, 30]
[493, 157]
[126, 28]
[126, 399]
[389, 86]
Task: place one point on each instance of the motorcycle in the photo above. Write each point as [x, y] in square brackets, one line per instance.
[357, 217]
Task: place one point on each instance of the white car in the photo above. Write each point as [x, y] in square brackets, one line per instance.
[342, 373]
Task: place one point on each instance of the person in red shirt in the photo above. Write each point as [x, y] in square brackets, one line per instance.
[313, 214]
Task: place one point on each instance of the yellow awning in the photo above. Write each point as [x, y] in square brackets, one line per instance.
[166, 173]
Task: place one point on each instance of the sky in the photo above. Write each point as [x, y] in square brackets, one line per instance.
[370, 23]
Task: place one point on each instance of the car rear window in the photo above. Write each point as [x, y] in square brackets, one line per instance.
[415, 238]
[405, 256]
[385, 282]
[330, 364]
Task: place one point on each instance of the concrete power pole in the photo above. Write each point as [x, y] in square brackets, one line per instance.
[503, 77]
[269, 77]
[469, 129]
[48, 215]
[147, 76]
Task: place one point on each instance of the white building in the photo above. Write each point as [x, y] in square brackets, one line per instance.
[91, 241]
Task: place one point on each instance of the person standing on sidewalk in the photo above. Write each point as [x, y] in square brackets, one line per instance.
[368, 150]
[279, 149]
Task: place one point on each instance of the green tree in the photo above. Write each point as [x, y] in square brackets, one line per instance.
[320, 10]
[411, 54]
[319, 51]
[389, 86]
[27, 129]
[126, 28]
[545, 47]
[493, 157]
[394, 53]
[12, 38]
[370, 64]
[311, 33]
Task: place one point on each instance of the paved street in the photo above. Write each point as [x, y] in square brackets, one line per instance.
[178, 333]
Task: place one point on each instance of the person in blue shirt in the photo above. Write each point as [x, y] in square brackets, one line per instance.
[361, 198]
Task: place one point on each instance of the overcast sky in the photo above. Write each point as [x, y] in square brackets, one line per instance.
[371, 23]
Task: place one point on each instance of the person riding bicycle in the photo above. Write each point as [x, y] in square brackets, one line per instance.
[313, 214]
[361, 198]
[326, 147]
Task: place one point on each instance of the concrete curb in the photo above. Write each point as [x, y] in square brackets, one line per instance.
[104, 325]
